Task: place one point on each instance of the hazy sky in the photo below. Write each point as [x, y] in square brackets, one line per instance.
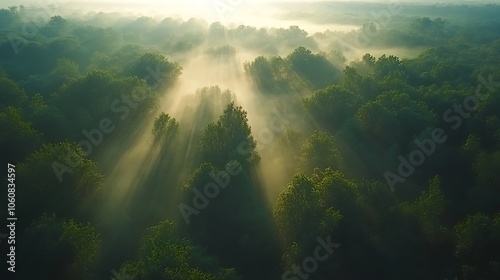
[251, 12]
[5, 3]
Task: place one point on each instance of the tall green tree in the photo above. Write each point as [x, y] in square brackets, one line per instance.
[229, 139]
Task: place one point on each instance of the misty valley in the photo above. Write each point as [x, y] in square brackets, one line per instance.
[229, 140]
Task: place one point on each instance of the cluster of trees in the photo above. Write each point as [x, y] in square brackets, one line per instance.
[81, 87]
[63, 91]
[297, 72]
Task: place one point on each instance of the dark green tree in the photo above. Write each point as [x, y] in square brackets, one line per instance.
[59, 249]
[165, 254]
[229, 139]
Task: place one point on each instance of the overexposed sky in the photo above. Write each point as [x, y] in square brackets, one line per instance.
[256, 12]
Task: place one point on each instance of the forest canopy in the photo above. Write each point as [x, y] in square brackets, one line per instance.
[167, 148]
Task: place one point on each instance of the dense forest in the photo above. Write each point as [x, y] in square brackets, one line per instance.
[179, 149]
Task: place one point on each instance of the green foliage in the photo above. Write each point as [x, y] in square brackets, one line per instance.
[94, 38]
[18, 138]
[320, 151]
[229, 139]
[314, 68]
[245, 216]
[363, 86]
[58, 178]
[332, 106]
[59, 249]
[165, 127]
[296, 209]
[329, 204]
[359, 114]
[221, 51]
[155, 69]
[262, 73]
[428, 27]
[429, 208]
[476, 247]
[486, 167]
[64, 73]
[164, 254]
[12, 94]
[277, 75]
[380, 124]
[207, 103]
[385, 65]
[337, 58]
[393, 117]
[86, 101]
[299, 70]
[57, 25]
